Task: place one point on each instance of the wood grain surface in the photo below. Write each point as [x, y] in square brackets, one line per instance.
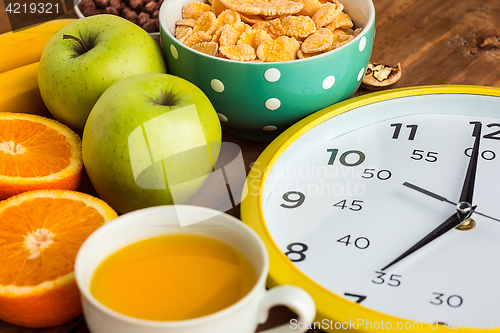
[436, 41]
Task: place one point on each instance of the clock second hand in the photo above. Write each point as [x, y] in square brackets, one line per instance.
[440, 198]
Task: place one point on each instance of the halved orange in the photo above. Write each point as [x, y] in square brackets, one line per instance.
[37, 153]
[40, 234]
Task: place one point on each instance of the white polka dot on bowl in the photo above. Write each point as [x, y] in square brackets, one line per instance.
[273, 104]
[270, 128]
[173, 51]
[272, 75]
[361, 73]
[217, 85]
[328, 82]
[362, 44]
[222, 117]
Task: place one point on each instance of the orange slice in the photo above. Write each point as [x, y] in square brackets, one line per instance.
[40, 235]
[37, 153]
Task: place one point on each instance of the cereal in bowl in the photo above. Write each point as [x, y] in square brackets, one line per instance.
[265, 30]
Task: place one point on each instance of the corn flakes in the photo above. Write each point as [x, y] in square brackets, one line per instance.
[251, 19]
[340, 37]
[217, 7]
[309, 7]
[187, 22]
[262, 7]
[326, 13]
[197, 37]
[298, 26]
[194, 10]
[273, 27]
[356, 32]
[302, 55]
[216, 35]
[318, 41]
[340, 21]
[228, 16]
[183, 31]
[209, 48]
[241, 52]
[265, 30]
[207, 22]
[281, 49]
[254, 38]
[232, 32]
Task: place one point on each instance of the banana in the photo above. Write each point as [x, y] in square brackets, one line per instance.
[27, 32]
[26, 46]
[19, 91]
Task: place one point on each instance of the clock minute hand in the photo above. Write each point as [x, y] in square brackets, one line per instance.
[464, 206]
[453, 221]
[470, 176]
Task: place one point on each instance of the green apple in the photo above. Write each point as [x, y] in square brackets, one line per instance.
[86, 57]
[151, 139]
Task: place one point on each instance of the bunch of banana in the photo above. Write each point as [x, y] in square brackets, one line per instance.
[20, 53]
[25, 47]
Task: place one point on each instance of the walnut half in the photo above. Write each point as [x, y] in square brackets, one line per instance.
[380, 76]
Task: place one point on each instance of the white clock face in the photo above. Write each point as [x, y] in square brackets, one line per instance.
[334, 202]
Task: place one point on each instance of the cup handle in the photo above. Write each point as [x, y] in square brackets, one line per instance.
[295, 298]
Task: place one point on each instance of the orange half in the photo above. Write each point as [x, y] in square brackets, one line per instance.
[40, 235]
[37, 153]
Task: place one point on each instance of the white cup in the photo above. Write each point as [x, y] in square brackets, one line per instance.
[242, 317]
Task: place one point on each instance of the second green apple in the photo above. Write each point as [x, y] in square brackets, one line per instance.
[151, 139]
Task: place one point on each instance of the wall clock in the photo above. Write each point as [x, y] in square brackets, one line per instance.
[386, 209]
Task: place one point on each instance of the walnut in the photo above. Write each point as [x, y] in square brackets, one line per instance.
[380, 76]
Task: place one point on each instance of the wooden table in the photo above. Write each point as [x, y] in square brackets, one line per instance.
[436, 42]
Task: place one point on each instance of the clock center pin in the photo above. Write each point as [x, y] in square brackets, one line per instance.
[466, 209]
[466, 225]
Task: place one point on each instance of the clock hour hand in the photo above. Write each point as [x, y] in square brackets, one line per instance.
[440, 198]
[429, 193]
[463, 214]
[464, 206]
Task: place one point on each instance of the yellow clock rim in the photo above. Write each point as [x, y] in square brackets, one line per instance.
[282, 271]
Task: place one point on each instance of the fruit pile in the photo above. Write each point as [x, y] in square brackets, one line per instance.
[104, 80]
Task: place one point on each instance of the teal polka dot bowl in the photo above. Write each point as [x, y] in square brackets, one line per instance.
[259, 100]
